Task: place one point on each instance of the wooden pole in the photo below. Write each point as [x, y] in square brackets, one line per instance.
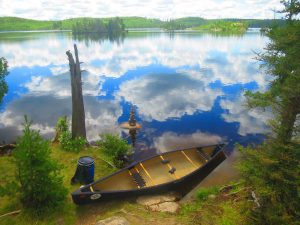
[78, 115]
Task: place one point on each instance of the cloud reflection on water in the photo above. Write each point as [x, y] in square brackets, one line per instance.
[164, 96]
[190, 72]
[44, 110]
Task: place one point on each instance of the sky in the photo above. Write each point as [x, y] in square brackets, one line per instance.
[161, 9]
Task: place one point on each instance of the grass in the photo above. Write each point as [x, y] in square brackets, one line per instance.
[220, 209]
[67, 214]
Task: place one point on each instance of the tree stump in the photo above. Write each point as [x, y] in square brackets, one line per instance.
[78, 115]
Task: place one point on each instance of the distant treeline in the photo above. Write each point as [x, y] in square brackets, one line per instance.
[101, 24]
[224, 27]
[112, 26]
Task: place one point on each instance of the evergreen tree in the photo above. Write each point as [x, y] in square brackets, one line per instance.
[272, 169]
[40, 184]
[281, 60]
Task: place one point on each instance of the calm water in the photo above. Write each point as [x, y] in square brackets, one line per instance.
[187, 88]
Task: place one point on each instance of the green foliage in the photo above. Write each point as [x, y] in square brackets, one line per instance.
[220, 209]
[112, 26]
[14, 23]
[291, 8]
[172, 25]
[62, 124]
[38, 176]
[64, 136]
[190, 21]
[203, 193]
[273, 168]
[280, 60]
[140, 22]
[115, 148]
[69, 144]
[3, 74]
[273, 171]
[224, 26]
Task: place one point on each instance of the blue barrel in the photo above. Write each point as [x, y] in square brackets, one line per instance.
[85, 170]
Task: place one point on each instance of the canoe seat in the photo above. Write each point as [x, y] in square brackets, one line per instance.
[172, 170]
[165, 161]
[138, 179]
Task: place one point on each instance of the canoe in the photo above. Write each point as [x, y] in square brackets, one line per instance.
[179, 171]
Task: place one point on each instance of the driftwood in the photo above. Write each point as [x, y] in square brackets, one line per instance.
[78, 115]
[11, 213]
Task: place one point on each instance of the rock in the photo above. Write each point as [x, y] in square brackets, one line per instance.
[160, 203]
[115, 220]
[156, 199]
[212, 196]
[170, 207]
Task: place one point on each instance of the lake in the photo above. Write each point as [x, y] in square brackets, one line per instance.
[187, 88]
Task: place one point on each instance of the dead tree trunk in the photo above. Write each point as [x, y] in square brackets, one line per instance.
[78, 116]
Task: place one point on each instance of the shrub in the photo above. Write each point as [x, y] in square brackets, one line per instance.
[203, 193]
[62, 124]
[64, 136]
[69, 144]
[38, 176]
[273, 173]
[115, 148]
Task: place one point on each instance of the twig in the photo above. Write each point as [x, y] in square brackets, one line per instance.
[112, 165]
[236, 192]
[255, 199]
[229, 186]
[11, 213]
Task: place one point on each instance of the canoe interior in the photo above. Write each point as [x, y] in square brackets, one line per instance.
[156, 170]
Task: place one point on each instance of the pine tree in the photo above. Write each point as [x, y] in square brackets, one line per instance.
[272, 169]
[40, 183]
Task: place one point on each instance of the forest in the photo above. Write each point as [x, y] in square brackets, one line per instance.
[14, 23]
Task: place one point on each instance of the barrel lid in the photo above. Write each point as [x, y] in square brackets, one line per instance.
[85, 160]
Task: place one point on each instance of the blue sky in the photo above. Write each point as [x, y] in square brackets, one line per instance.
[162, 9]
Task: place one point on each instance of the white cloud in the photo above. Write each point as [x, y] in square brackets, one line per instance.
[163, 96]
[164, 9]
[250, 121]
[170, 140]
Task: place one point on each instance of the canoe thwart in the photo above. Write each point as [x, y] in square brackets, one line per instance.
[165, 161]
[188, 158]
[172, 170]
